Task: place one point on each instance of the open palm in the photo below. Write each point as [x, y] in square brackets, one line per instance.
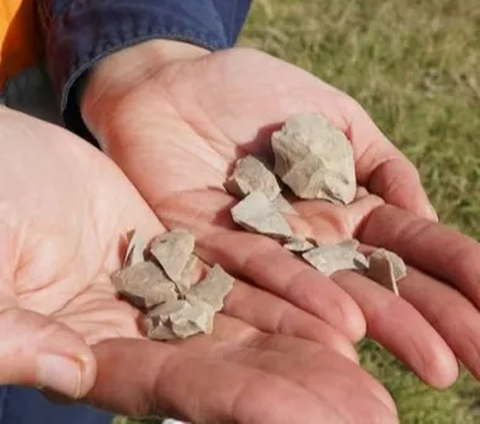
[176, 129]
[63, 210]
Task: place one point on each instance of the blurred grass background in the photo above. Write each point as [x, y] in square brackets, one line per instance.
[415, 66]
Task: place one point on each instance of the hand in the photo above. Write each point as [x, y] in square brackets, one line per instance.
[178, 117]
[64, 207]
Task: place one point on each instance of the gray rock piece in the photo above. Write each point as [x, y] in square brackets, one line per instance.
[386, 268]
[157, 330]
[283, 206]
[361, 262]
[315, 159]
[298, 245]
[144, 284]
[249, 175]
[135, 249]
[185, 282]
[184, 317]
[213, 288]
[257, 214]
[332, 258]
[193, 319]
[172, 251]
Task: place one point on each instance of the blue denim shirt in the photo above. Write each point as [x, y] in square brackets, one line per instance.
[81, 32]
[78, 34]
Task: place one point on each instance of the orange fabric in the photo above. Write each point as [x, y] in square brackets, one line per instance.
[20, 41]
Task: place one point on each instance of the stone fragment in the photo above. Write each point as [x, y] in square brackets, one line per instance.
[332, 258]
[361, 261]
[257, 214]
[172, 251]
[315, 159]
[249, 175]
[135, 249]
[196, 318]
[283, 206]
[156, 330]
[213, 288]
[144, 284]
[185, 282]
[298, 245]
[184, 317]
[386, 268]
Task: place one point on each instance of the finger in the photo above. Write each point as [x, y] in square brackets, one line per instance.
[249, 304]
[433, 248]
[398, 326]
[37, 351]
[383, 169]
[333, 381]
[450, 313]
[235, 337]
[144, 378]
[261, 260]
[274, 269]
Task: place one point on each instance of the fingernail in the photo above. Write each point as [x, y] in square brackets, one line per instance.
[433, 212]
[59, 374]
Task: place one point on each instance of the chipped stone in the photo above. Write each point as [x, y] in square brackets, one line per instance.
[157, 330]
[185, 317]
[172, 251]
[196, 318]
[144, 284]
[283, 206]
[298, 245]
[386, 268]
[329, 259]
[213, 288]
[185, 282]
[135, 249]
[315, 159]
[361, 262]
[257, 214]
[249, 175]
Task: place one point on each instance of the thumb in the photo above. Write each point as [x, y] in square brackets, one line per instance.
[38, 351]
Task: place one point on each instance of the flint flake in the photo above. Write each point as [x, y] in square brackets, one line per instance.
[315, 159]
[257, 214]
[249, 175]
[135, 249]
[184, 317]
[213, 288]
[283, 206]
[298, 245]
[386, 268]
[144, 284]
[185, 282]
[332, 258]
[172, 251]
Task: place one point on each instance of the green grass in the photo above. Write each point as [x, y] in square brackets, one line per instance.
[415, 66]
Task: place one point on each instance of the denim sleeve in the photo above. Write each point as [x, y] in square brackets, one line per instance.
[79, 33]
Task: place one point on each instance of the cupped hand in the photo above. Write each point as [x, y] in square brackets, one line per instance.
[63, 210]
[175, 118]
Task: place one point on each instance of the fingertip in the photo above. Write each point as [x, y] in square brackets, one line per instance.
[355, 325]
[432, 213]
[348, 351]
[442, 371]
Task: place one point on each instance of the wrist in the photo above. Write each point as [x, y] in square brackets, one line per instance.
[111, 79]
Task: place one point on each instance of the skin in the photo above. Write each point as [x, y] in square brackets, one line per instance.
[175, 118]
[64, 210]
